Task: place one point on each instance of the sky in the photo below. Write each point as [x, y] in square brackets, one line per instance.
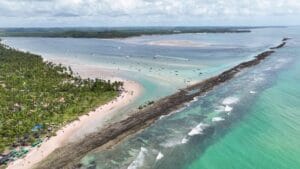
[110, 13]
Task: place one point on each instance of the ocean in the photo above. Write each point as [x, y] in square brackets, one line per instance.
[252, 121]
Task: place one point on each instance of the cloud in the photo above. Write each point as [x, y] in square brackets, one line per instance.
[145, 11]
[65, 14]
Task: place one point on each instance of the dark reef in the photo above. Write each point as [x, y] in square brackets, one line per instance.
[70, 155]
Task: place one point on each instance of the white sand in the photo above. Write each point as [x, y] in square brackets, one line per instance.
[86, 123]
[179, 43]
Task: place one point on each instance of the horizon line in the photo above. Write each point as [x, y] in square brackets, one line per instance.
[148, 26]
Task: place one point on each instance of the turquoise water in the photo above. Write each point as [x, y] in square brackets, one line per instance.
[252, 121]
[249, 122]
[268, 136]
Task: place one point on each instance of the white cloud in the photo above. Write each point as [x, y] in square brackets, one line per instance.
[133, 12]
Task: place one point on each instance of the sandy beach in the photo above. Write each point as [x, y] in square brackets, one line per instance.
[86, 124]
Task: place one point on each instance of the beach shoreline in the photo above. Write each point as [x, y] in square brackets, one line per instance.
[86, 124]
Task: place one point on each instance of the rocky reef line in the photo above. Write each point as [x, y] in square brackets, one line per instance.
[70, 155]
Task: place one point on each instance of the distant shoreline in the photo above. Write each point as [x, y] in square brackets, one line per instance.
[103, 33]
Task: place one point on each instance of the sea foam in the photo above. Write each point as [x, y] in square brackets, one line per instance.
[228, 108]
[230, 100]
[171, 143]
[139, 160]
[198, 129]
[159, 156]
[184, 140]
[216, 119]
[173, 112]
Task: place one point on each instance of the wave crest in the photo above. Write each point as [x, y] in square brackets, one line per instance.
[198, 129]
[139, 160]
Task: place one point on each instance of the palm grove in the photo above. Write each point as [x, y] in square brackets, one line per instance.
[37, 97]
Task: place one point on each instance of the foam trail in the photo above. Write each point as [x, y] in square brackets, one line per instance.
[184, 140]
[159, 156]
[220, 109]
[216, 119]
[171, 143]
[198, 129]
[230, 100]
[228, 108]
[258, 79]
[138, 162]
[176, 111]
[195, 99]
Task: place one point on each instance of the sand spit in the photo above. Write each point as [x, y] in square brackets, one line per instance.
[70, 155]
[179, 43]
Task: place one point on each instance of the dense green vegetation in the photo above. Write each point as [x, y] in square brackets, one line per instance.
[114, 32]
[38, 97]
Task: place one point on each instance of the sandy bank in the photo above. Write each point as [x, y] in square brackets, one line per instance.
[178, 43]
[86, 124]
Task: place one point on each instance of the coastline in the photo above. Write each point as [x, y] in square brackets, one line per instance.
[87, 124]
[68, 157]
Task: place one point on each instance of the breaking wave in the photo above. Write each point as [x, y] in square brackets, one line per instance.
[184, 140]
[139, 160]
[216, 119]
[159, 156]
[198, 129]
[230, 100]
